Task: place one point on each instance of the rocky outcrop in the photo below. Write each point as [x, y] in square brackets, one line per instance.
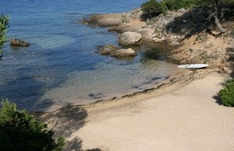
[18, 42]
[104, 20]
[203, 49]
[129, 38]
[147, 33]
[184, 29]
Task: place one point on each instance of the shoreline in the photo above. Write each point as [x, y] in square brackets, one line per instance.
[182, 113]
[149, 121]
[177, 76]
[176, 81]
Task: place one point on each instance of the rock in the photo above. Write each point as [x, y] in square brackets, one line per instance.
[123, 53]
[159, 39]
[104, 19]
[107, 49]
[17, 42]
[130, 38]
[114, 51]
[147, 33]
[134, 26]
[182, 10]
[227, 70]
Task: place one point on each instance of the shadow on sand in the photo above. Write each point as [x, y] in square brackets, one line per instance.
[65, 122]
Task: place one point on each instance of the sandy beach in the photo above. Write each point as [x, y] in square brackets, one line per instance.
[184, 116]
[181, 114]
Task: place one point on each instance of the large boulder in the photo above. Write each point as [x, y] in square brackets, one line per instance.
[147, 33]
[123, 53]
[18, 42]
[129, 38]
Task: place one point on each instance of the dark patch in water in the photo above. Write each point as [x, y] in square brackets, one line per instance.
[136, 87]
[96, 96]
[156, 78]
[150, 81]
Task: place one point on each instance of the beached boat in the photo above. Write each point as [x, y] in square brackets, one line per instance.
[193, 66]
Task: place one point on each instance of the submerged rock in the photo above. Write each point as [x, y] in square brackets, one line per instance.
[107, 49]
[123, 53]
[18, 42]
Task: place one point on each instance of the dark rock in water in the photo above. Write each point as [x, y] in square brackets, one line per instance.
[1, 54]
[114, 51]
[123, 53]
[18, 42]
[107, 49]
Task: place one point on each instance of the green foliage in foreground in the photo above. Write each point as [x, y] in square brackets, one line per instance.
[3, 27]
[227, 94]
[21, 131]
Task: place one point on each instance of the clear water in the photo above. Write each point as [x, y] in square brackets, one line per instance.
[62, 65]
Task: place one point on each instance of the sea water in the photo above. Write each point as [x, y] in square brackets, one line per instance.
[62, 66]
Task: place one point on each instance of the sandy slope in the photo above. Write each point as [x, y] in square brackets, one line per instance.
[186, 119]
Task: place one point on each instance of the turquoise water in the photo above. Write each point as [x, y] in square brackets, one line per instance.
[62, 65]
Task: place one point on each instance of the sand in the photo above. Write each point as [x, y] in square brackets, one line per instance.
[184, 116]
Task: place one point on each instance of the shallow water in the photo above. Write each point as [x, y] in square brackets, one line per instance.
[62, 66]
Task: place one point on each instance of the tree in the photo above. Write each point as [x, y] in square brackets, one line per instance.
[216, 5]
[3, 27]
[219, 8]
[21, 131]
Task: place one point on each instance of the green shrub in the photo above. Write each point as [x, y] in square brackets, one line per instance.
[21, 131]
[227, 94]
[153, 8]
[3, 27]
[177, 4]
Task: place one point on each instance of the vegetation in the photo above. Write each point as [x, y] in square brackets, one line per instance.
[226, 94]
[3, 27]
[153, 8]
[217, 11]
[21, 131]
[221, 10]
[178, 4]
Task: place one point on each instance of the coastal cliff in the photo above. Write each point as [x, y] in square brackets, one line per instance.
[183, 29]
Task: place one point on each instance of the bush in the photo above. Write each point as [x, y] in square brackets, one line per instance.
[227, 94]
[153, 8]
[177, 4]
[3, 27]
[21, 131]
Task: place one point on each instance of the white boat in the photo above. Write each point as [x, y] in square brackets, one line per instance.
[193, 66]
